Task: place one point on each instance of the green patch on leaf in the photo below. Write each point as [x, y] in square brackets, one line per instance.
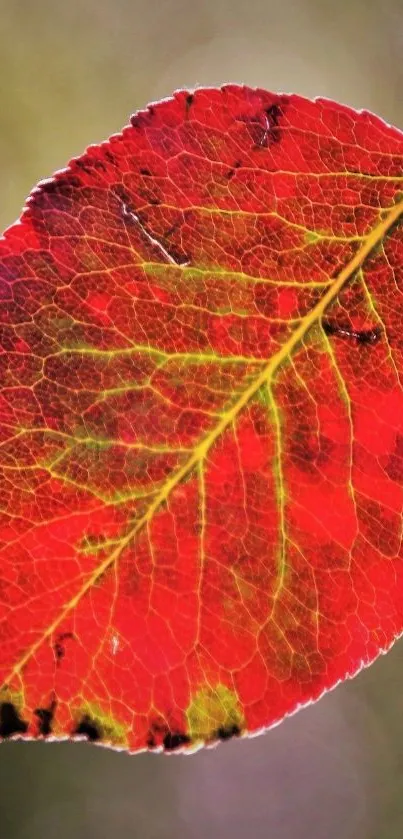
[214, 713]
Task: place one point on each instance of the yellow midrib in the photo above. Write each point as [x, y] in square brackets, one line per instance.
[374, 238]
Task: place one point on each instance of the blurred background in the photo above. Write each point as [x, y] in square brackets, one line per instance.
[71, 74]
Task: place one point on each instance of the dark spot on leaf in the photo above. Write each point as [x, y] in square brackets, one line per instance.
[368, 336]
[260, 426]
[89, 167]
[138, 120]
[59, 645]
[142, 118]
[160, 734]
[171, 230]
[178, 256]
[110, 157]
[174, 740]
[45, 721]
[175, 253]
[45, 717]
[80, 164]
[231, 172]
[99, 164]
[149, 197]
[189, 102]
[158, 730]
[308, 450]
[50, 187]
[273, 114]
[146, 172]
[121, 193]
[225, 732]
[363, 336]
[168, 251]
[10, 721]
[263, 127]
[127, 214]
[73, 181]
[256, 128]
[88, 728]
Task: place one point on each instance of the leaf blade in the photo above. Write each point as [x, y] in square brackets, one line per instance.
[154, 411]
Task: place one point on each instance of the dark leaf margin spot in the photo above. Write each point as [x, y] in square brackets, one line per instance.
[160, 734]
[10, 721]
[189, 98]
[88, 728]
[45, 719]
[174, 740]
[274, 113]
[226, 732]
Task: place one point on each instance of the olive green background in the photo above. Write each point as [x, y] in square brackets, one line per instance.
[71, 73]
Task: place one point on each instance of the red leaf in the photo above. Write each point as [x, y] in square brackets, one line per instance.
[201, 460]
